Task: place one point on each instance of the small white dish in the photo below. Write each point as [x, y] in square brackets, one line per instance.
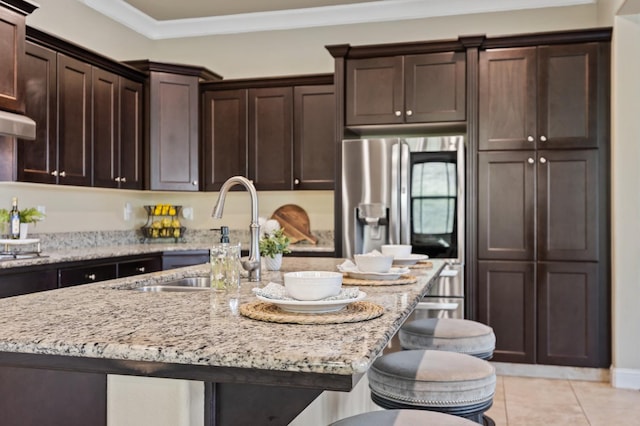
[393, 274]
[312, 285]
[396, 250]
[312, 306]
[373, 262]
[410, 260]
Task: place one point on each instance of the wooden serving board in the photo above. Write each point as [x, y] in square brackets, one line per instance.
[294, 222]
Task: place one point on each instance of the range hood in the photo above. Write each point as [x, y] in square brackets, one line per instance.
[17, 125]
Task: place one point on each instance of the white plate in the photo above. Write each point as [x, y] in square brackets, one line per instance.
[312, 307]
[411, 260]
[393, 274]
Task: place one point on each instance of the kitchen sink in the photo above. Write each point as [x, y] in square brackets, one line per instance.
[182, 284]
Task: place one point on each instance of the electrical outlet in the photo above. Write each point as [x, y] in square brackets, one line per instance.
[127, 211]
[42, 210]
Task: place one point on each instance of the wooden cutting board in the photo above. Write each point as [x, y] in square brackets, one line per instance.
[294, 222]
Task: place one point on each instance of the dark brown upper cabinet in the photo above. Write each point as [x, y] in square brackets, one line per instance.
[38, 159]
[314, 137]
[117, 131]
[271, 137]
[172, 123]
[88, 117]
[12, 33]
[405, 89]
[277, 131]
[74, 122]
[544, 97]
[225, 138]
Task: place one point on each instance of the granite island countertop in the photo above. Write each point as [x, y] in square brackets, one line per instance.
[110, 321]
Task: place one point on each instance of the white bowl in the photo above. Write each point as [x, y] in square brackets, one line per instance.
[372, 263]
[312, 285]
[396, 250]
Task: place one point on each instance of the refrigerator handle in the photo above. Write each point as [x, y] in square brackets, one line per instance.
[405, 195]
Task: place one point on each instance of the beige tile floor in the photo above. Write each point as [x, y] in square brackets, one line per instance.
[524, 401]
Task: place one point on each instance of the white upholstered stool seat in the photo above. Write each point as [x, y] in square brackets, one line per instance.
[447, 382]
[403, 418]
[449, 334]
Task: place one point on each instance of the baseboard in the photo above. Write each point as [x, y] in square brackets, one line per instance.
[552, 371]
[625, 378]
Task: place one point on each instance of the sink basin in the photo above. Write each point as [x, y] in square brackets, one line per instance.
[182, 284]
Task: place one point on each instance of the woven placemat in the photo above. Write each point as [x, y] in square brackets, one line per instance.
[404, 279]
[422, 264]
[353, 312]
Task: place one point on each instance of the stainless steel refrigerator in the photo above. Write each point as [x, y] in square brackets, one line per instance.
[405, 191]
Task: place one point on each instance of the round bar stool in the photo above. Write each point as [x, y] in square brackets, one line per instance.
[403, 418]
[449, 334]
[447, 382]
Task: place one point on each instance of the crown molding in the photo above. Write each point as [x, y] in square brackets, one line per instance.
[374, 11]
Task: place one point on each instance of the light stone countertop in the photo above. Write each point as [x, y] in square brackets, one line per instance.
[101, 252]
[108, 320]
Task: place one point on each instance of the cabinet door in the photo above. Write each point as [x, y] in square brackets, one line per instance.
[74, 121]
[173, 145]
[130, 134]
[38, 159]
[374, 91]
[506, 196]
[435, 89]
[507, 96]
[314, 137]
[568, 314]
[568, 96]
[15, 284]
[106, 147]
[568, 200]
[172, 260]
[271, 138]
[225, 136]
[506, 302]
[12, 31]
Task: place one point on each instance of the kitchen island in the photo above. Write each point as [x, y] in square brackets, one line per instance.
[254, 372]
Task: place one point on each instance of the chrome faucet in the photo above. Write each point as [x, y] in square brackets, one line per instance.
[252, 264]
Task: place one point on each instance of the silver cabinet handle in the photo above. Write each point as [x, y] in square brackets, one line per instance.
[530, 138]
[543, 138]
[123, 179]
[409, 113]
[194, 183]
[296, 181]
[91, 277]
[117, 179]
[398, 113]
[530, 160]
[63, 174]
[54, 173]
[140, 269]
[543, 160]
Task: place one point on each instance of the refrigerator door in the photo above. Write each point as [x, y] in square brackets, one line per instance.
[369, 170]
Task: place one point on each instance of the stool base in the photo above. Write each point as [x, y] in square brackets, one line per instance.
[473, 412]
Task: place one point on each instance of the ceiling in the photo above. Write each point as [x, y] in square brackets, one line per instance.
[162, 19]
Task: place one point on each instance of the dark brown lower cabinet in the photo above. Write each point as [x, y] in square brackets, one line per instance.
[172, 260]
[19, 283]
[62, 398]
[544, 312]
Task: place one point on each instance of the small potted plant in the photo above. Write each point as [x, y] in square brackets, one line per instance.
[273, 244]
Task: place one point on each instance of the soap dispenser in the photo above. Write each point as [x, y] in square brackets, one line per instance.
[225, 263]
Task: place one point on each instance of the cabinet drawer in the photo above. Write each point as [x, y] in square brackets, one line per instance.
[27, 282]
[86, 274]
[179, 260]
[139, 266]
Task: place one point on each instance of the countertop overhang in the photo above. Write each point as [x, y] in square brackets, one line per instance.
[108, 328]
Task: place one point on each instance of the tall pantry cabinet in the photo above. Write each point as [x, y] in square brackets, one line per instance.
[542, 209]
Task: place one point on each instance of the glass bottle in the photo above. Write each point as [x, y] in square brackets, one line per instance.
[14, 220]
